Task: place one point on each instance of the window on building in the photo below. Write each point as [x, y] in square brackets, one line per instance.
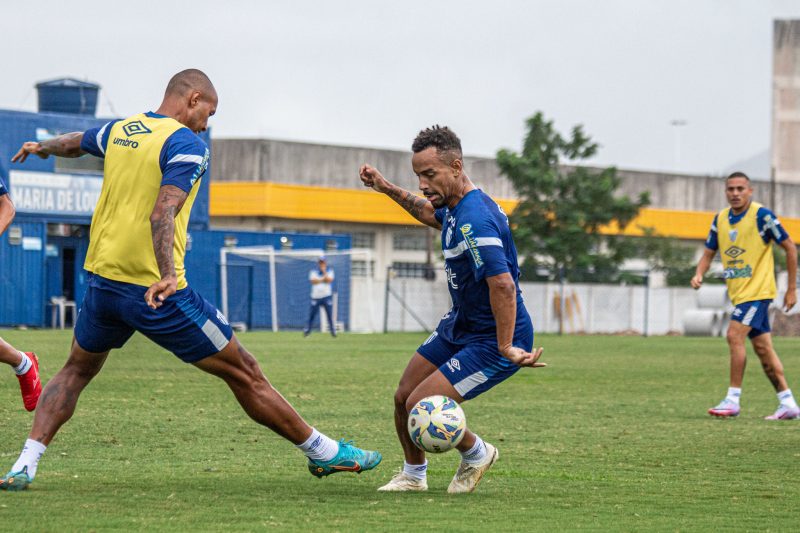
[359, 268]
[411, 270]
[363, 239]
[410, 240]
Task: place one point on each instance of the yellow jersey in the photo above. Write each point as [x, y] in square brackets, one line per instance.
[142, 153]
[747, 259]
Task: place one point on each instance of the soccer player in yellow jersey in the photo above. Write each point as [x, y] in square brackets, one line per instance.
[744, 234]
[153, 162]
[25, 364]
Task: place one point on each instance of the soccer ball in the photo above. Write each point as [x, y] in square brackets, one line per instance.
[436, 424]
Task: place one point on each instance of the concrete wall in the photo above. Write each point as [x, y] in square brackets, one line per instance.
[337, 166]
[786, 101]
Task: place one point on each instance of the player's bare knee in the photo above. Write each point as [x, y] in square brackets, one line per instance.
[400, 397]
[734, 338]
[410, 403]
[81, 370]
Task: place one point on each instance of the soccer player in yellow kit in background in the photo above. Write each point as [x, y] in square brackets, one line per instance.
[744, 233]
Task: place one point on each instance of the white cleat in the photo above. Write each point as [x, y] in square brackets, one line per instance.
[402, 482]
[467, 476]
[784, 413]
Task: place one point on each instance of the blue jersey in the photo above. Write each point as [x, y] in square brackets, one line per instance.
[769, 227]
[3, 188]
[477, 244]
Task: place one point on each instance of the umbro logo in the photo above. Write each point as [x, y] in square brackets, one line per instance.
[734, 252]
[454, 365]
[135, 128]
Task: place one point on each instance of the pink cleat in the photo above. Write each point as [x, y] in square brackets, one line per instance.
[725, 409]
[784, 413]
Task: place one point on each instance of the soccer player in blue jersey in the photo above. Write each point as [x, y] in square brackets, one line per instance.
[744, 233]
[153, 163]
[25, 364]
[487, 335]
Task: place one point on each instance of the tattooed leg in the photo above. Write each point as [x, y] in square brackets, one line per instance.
[60, 396]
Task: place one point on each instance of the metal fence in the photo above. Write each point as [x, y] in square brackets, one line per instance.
[572, 308]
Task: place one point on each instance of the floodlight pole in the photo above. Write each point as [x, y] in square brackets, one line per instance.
[386, 300]
[646, 329]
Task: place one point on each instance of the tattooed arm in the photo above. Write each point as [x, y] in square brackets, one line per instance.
[419, 208]
[162, 225]
[67, 145]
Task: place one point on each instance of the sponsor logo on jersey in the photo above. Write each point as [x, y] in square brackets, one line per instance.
[472, 244]
[734, 252]
[221, 317]
[135, 127]
[735, 273]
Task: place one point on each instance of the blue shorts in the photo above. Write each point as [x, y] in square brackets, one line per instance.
[186, 324]
[754, 314]
[474, 368]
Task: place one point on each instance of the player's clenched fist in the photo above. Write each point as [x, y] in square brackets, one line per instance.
[370, 177]
[696, 282]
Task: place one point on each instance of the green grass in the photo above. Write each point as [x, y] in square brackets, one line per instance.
[612, 436]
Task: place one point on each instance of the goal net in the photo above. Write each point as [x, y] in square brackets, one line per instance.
[265, 288]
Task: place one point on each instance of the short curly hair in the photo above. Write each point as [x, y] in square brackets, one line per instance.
[440, 137]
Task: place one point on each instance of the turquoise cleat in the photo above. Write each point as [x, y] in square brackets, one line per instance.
[16, 480]
[349, 459]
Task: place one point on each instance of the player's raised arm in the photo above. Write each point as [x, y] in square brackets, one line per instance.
[503, 299]
[67, 145]
[419, 208]
[162, 224]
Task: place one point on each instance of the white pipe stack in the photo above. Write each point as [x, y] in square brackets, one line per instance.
[710, 319]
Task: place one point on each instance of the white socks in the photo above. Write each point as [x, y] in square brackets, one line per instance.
[416, 471]
[734, 393]
[31, 453]
[319, 447]
[476, 454]
[786, 399]
[24, 366]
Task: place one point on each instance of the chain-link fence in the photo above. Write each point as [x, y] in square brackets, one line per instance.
[417, 304]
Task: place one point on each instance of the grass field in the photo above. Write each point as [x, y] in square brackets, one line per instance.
[612, 436]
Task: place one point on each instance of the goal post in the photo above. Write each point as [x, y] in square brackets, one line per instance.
[265, 288]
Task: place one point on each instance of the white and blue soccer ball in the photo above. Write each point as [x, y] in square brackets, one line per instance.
[436, 424]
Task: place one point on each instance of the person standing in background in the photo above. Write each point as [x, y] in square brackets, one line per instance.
[321, 279]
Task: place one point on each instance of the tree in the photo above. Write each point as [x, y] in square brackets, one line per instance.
[561, 209]
[670, 256]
